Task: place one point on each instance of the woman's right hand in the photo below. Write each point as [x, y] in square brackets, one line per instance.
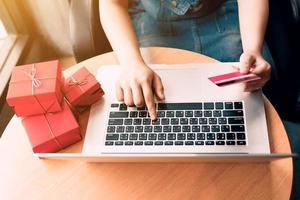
[137, 86]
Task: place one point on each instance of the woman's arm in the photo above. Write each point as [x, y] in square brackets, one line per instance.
[253, 17]
[137, 82]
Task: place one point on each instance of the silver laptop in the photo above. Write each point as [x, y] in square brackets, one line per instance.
[196, 116]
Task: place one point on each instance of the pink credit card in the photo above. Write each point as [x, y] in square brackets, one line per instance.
[233, 78]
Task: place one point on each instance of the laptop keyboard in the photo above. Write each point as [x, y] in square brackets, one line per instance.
[178, 124]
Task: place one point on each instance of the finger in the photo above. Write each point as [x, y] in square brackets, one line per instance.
[158, 87]
[263, 70]
[251, 87]
[138, 97]
[119, 93]
[149, 99]
[128, 96]
[246, 61]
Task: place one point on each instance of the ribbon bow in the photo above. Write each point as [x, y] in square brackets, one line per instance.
[31, 74]
[73, 81]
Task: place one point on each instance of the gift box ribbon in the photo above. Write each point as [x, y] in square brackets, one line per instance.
[52, 134]
[79, 83]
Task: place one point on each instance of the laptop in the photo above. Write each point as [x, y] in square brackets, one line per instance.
[197, 120]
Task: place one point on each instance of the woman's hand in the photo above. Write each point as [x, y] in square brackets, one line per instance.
[254, 62]
[137, 86]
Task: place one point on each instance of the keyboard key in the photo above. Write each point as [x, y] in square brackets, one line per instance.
[176, 128]
[133, 114]
[109, 143]
[193, 120]
[128, 121]
[217, 113]
[157, 129]
[167, 128]
[209, 142]
[114, 105]
[119, 143]
[146, 121]
[191, 136]
[210, 136]
[240, 136]
[186, 129]
[148, 129]
[219, 105]
[143, 136]
[241, 142]
[228, 105]
[174, 121]
[158, 143]
[161, 113]
[200, 136]
[133, 136]
[142, 113]
[212, 120]
[215, 128]
[123, 106]
[188, 113]
[148, 143]
[238, 105]
[139, 129]
[124, 137]
[222, 120]
[137, 121]
[184, 121]
[232, 113]
[220, 142]
[128, 143]
[165, 121]
[208, 113]
[168, 143]
[156, 122]
[178, 142]
[205, 128]
[118, 114]
[202, 120]
[171, 136]
[230, 136]
[162, 136]
[110, 136]
[129, 129]
[199, 143]
[198, 113]
[141, 108]
[220, 136]
[111, 129]
[115, 122]
[230, 142]
[189, 143]
[225, 128]
[179, 113]
[235, 120]
[195, 128]
[152, 136]
[170, 114]
[138, 143]
[208, 106]
[181, 136]
[237, 128]
[120, 129]
[179, 106]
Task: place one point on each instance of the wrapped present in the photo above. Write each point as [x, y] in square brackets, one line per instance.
[82, 89]
[52, 132]
[36, 88]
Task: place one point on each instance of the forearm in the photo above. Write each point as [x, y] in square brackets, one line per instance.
[253, 17]
[118, 27]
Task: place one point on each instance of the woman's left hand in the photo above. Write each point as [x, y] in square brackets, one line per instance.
[255, 63]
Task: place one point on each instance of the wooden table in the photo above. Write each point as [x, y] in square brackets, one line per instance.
[23, 176]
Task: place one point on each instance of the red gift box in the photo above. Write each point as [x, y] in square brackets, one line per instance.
[36, 88]
[82, 89]
[52, 132]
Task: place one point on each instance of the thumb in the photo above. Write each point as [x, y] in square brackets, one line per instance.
[158, 87]
[246, 61]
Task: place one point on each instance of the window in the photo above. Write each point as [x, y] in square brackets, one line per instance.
[3, 32]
